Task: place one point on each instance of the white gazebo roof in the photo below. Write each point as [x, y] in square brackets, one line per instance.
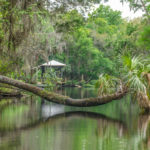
[53, 63]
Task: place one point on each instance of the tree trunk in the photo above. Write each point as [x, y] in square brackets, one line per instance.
[144, 101]
[60, 99]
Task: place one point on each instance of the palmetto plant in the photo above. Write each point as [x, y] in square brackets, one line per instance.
[134, 70]
[134, 76]
[106, 84]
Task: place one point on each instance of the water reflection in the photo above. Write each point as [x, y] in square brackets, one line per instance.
[51, 109]
[34, 124]
[75, 92]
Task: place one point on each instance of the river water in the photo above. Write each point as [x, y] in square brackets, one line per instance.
[31, 123]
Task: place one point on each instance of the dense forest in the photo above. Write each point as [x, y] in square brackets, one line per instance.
[99, 47]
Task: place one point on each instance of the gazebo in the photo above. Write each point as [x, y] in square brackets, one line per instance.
[51, 64]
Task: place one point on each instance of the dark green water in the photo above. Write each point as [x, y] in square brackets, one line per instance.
[34, 124]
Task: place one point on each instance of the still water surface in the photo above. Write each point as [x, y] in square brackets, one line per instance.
[31, 123]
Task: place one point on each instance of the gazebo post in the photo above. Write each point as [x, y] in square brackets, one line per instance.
[42, 73]
[61, 72]
[36, 75]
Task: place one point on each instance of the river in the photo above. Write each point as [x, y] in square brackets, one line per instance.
[31, 123]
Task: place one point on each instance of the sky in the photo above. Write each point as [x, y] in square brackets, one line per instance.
[126, 13]
[116, 5]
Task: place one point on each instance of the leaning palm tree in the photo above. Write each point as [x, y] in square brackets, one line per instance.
[134, 77]
[133, 73]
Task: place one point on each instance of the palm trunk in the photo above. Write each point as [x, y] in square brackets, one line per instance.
[144, 101]
[60, 99]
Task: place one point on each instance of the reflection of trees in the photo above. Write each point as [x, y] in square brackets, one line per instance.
[4, 102]
[102, 121]
[144, 130]
[75, 92]
[17, 115]
[62, 120]
[67, 115]
[103, 127]
[139, 139]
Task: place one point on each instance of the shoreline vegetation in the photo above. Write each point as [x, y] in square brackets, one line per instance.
[103, 51]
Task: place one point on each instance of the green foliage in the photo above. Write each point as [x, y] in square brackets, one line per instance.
[5, 67]
[134, 69]
[106, 84]
[104, 20]
[124, 41]
[89, 46]
[18, 19]
[50, 77]
[81, 48]
[144, 40]
[111, 16]
[69, 22]
[131, 28]
[133, 75]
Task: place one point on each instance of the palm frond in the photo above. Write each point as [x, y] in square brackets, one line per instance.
[106, 84]
[133, 74]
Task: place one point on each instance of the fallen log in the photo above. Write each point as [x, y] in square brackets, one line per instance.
[60, 99]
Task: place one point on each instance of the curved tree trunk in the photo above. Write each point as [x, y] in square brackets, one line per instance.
[60, 99]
